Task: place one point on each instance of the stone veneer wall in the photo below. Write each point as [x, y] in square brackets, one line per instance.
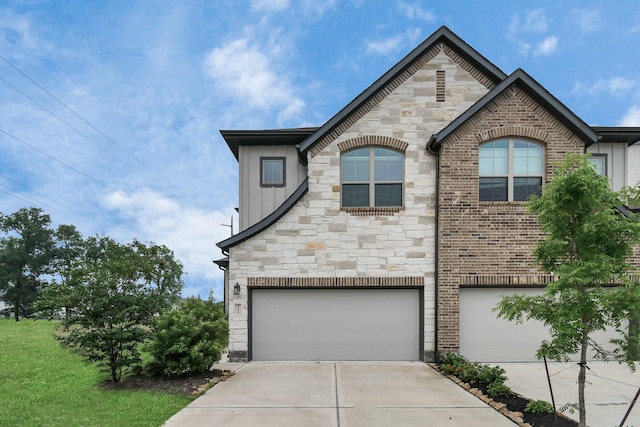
[489, 243]
[318, 241]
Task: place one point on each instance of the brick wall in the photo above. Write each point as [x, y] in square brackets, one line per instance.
[489, 243]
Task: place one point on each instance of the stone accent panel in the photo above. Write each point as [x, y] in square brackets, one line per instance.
[465, 65]
[490, 243]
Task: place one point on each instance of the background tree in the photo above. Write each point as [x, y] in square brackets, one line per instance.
[112, 295]
[26, 255]
[587, 244]
[189, 339]
[70, 250]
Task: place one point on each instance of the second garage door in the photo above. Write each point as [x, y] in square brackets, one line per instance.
[485, 338]
[335, 324]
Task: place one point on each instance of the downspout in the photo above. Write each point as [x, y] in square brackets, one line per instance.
[437, 262]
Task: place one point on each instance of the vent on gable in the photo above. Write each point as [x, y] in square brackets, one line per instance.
[440, 88]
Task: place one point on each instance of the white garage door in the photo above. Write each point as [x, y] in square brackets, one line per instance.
[485, 338]
[332, 324]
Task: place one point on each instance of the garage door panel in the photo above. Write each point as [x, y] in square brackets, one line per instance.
[353, 324]
[485, 338]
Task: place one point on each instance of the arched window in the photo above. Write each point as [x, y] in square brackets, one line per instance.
[510, 170]
[371, 177]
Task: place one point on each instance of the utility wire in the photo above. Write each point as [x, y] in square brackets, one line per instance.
[39, 194]
[37, 203]
[85, 121]
[59, 118]
[55, 159]
[33, 199]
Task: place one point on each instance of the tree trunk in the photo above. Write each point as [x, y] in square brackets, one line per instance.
[582, 379]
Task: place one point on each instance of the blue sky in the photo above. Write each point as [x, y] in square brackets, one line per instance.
[110, 110]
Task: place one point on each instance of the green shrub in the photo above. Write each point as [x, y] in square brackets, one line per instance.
[450, 369]
[452, 363]
[499, 390]
[470, 373]
[489, 375]
[450, 358]
[539, 407]
[188, 339]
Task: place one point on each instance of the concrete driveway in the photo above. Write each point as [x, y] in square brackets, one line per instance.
[609, 391]
[337, 394]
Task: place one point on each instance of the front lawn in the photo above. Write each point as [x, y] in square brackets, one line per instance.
[44, 384]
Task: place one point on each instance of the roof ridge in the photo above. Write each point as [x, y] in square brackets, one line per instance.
[443, 34]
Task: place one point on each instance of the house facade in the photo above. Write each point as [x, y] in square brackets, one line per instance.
[389, 232]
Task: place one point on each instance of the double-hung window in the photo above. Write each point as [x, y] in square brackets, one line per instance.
[510, 170]
[372, 177]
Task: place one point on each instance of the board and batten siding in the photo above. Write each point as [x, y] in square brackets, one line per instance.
[616, 162]
[633, 175]
[257, 202]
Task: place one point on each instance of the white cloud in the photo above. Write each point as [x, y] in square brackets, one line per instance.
[190, 232]
[587, 20]
[17, 29]
[631, 117]
[521, 28]
[393, 44]
[616, 86]
[249, 75]
[546, 47]
[317, 8]
[269, 5]
[634, 29]
[620, 86]
[414, 11]
[534, 21]
[384, 47]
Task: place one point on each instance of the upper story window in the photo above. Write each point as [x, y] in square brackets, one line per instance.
[510, 170]
[372, 177]
[600, 163]
[272, 171]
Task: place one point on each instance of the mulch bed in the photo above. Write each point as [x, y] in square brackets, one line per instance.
[517, 403]
[192, 385]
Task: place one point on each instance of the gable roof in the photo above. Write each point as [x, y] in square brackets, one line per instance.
[533, 89]
[306, 138]
[266, 221]
[442, 35]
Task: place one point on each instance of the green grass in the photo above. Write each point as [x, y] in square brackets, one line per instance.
[44, 384]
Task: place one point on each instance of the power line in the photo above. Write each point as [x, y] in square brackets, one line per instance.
[40, 194]
[36, 203]
[55, 159]
[84, 120]
[24, 195]
[58, 117]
